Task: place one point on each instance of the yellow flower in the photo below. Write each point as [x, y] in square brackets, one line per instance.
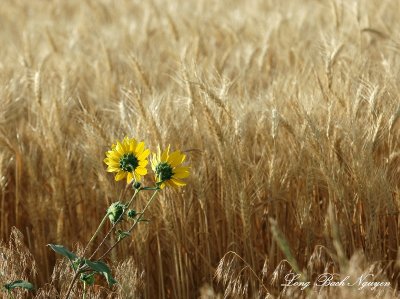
[128, 159]
[167, 169]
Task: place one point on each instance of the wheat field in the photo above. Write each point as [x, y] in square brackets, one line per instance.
[288, 112]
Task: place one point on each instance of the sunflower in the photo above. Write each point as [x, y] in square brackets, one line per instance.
[167, 169]
[128, 159]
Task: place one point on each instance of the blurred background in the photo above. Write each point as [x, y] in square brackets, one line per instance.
[288, 112]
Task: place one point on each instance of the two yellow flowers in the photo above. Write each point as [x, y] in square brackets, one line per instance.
[129, 160]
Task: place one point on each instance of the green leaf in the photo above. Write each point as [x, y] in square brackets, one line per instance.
[78, 262]
[63, 251]
[122, 234]
[19, 284]
[88, 278]
[103, 269]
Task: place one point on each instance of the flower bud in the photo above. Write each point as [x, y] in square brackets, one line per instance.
[115, 212]
[137, 185]
[132, 214]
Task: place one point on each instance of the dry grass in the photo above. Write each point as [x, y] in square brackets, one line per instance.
[288, 110]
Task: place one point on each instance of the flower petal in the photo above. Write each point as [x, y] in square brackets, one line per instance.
[181, 173]
[143, 163]
[129, 177]
[125, 142]
[120, 148]
[113, 155]
[141, 171]
[165, 155]
[154, 163]
[132, 145]
[139, 148]
[111, 162]
[158, 153]
[120, 175]
[178, 182]
[176, 158]
[113, 169]
[144, 155]
[137, 176]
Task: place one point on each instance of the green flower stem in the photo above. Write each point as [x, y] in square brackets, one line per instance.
[133, 225]
[81, 269]
[95, 234]
[84, 291]
[115, 224]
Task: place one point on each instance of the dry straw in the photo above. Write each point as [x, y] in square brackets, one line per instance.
[287, 110]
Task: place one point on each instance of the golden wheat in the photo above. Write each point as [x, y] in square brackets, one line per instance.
[288, 112]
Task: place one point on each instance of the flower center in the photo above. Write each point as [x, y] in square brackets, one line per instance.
[128, 162]
[164, 171]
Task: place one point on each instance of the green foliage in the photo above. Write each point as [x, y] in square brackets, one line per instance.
[72, 257]
[77, 263]
[122, 234]
[102, 269]
[23, 284]
[60, 249]
[88, 278]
